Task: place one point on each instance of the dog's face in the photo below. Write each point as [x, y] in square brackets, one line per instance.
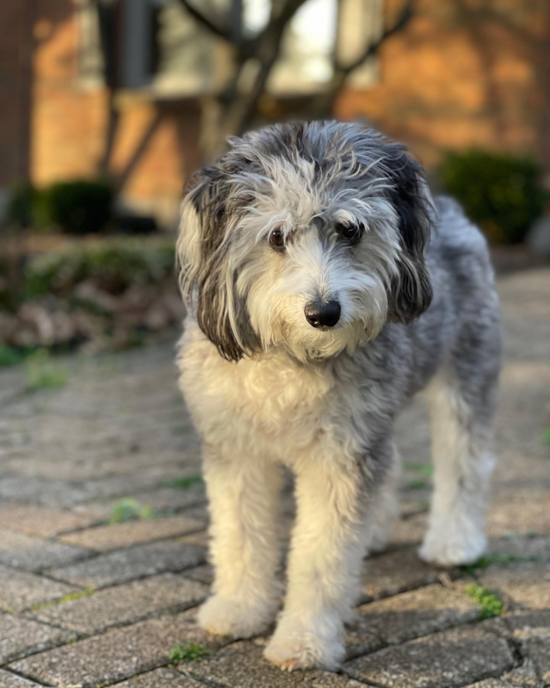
[307, 236]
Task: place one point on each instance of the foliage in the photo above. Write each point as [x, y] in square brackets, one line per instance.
[546, 437]
[111, 292]
[496, 559]
[491, 605]
[112, 265]
[184, 483]
[24, 205]
[9, 356]
[129, 510]
[501, 192]
[188, 652]
[78, 207]
[43, 373]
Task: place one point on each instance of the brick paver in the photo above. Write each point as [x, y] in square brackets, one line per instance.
[124, 603]
[85, 601]
[128, 564]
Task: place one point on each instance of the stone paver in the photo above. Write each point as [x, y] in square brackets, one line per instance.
[19, 637]
[124, 603]
[395, 572]
[20, 590]
[33, 554]
[37, 520]
[395, 620]
[161, 678]
[9, 680]
[85, 603]
[242, 665]
[114, 655]
[127, 564]
[450, 658]
[105, 538]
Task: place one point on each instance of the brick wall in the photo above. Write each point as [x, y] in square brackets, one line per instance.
[465, 72]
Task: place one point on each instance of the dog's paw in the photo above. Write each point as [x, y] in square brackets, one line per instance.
[222, 616]
[299, 645]
[452, 547]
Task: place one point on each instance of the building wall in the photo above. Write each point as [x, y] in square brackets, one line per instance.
[463, 73]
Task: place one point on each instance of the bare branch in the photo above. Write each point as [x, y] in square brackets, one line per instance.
[222, 31]
[323, 103]
[403, 19]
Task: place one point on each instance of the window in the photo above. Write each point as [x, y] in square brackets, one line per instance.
[161, 48]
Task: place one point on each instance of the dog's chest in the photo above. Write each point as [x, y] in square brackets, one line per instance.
[272, 399]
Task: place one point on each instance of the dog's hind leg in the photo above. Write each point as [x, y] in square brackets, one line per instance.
[461, 448]
[386, 507]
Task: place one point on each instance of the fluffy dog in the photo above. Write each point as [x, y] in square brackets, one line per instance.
[325, 288]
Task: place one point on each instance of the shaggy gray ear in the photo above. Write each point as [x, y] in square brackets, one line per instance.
[411, 291]
[206, 280]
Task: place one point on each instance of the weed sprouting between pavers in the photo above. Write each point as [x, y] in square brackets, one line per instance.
[61, 600]
[43, 373]
[183, 483]
[188, 652]
[497, 559]
[490, 603]
[129, 509]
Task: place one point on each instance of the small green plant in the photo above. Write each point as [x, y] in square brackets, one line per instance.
[9, 356]
[44, 373]
[188, 652]
[66, 598]
[184, 483]
[129, 510]
[425, 469]
[501, 192]
[497, 559]
[491, 605]
[546, 437]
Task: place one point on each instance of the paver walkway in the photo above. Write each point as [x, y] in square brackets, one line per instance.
[89, 602]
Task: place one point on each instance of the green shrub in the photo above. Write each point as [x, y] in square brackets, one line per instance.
[22, 206]
[112, 265]
[501, 192]
[78, 207]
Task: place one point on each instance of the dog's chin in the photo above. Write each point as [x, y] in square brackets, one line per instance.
[310, 345]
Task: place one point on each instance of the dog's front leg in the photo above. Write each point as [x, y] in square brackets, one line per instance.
[328, 545]
[243, 497]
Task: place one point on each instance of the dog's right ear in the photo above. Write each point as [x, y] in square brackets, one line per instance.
[206, 281]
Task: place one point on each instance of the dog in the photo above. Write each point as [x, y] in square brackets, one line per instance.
[325, 288]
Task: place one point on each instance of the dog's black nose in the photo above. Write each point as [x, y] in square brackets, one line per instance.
[320, 314]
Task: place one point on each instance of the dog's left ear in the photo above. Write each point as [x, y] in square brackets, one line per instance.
[411, 291]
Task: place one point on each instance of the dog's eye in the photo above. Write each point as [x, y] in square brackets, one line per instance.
[277, 239]
[349, 231]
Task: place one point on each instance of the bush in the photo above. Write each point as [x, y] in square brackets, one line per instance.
[78, 207]
[112, 265]
[500, 192]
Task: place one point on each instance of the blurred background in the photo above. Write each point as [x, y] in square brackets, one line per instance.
[107, 107]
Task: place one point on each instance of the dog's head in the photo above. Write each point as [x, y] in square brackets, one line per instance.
[307, 236]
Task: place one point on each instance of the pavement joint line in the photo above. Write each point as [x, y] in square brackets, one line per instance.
[10, 670]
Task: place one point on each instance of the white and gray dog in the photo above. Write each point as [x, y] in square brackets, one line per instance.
[325, 288]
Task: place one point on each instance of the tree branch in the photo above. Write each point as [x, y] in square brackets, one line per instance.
[324, 102]
[218, 30]
[403, 19]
